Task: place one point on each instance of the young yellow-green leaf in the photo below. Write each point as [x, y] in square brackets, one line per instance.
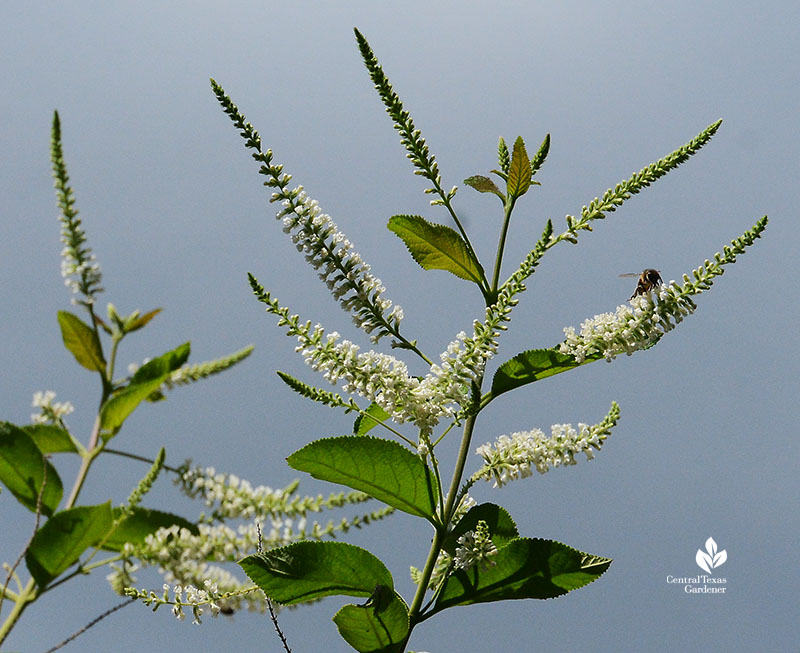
[525, 568]
[82, 341]
[50, 438]
[378, 626]
[383, 469]
[484, 185]
[364, 423]
[22, 470]
[436, 247]
[305, 571]
[519, 173]
[103, 325]
[147, 380]
[140, 523]
[502, 528]
[64, 537]
[142, 320]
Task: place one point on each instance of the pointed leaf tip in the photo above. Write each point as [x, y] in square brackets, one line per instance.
[436, 246]
[82, 342]
[519, 172]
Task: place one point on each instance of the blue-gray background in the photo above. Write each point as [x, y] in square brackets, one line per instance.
[177, 215]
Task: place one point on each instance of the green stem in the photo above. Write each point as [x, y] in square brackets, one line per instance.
[446, 201]
[26, 597]
[501, 245]
[143, 459]
[93, 450]
[463, 452]
[450, 506]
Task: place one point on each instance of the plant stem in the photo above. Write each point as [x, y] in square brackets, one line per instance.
[143, 459]
[93, 450]
[447, 514]
[25, 597]
[501, 245]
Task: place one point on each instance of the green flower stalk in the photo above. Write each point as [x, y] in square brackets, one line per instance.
[79, 268]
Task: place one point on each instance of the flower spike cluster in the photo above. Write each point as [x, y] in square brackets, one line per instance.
[194, 558]
[514, 456]
[641, 323]
[327, 249]
[79, 268]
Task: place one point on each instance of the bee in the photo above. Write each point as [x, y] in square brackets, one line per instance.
[648, 280]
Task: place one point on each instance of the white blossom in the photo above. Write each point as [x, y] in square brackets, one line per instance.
[475, 547]
[331, 253]
[51, 412]
[633, 326]
[514, 456]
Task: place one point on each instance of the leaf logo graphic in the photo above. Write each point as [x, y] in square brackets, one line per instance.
[710, 558]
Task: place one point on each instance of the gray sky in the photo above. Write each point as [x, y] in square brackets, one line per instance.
[177, 216]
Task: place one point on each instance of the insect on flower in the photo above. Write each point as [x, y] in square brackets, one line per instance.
[648, 280]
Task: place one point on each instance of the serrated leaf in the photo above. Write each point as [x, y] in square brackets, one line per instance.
[142, 522]
[81, 340]
[50, 438]
[147, 380]
[305, 571]
[519, 172]
[502, 528]
[484, 185]
[532, 365]
[364, 423]
[373, 628]
[436, 247]
[526, 568]
[22, 470]
[535, 364]
[142, 320]
[383, 469]
[63, 538]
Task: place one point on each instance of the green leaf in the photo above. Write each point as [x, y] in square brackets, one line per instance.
[142, 320]
[305, 571]
[535, 364]
[436, 247]
[162, 365]
[140, 523]
[364, 423]
[526, 568]
[82, 341]
[519, 173]
[501, 526]
[379, 626]
[147, 379]
[484, 185]
[64, 537]
[383, 469]
[50, 438]
[532, 365]
[22, 470]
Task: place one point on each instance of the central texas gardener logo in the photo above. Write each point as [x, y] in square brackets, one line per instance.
[710, 558]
